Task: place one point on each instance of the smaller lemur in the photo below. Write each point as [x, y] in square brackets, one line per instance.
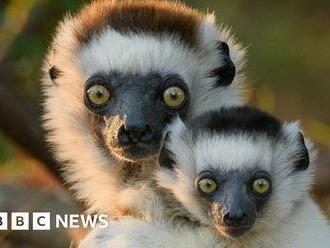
[243, 175]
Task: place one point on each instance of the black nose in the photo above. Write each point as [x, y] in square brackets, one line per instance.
[135, 133]
[233, 219]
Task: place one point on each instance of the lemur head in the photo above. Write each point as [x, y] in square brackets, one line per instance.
[118, 71]
[238, 169]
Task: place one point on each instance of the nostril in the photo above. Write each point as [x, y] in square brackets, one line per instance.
[228, 220]
[235, 219]
[147, 134]
[135, 134]
[123, 136]
[243, 219]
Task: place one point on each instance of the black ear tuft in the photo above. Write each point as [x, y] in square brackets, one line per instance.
[226, 73]
[54, 73]
[166, 156]
[303, 162]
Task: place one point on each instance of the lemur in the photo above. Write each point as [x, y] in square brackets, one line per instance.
[116, 74]
[243, 175]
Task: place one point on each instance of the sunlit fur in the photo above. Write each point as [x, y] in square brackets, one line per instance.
[135, 233]
[97, 178]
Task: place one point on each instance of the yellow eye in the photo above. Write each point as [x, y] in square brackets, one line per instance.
[261, 185]
[207, 185]
[98, 94]
[174, 97]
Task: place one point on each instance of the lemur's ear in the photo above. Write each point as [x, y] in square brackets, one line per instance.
[225, 74]
[303, 162]
[54, 73]
[165, 155]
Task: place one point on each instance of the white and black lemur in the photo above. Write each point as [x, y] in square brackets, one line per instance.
[245, 178]
[116, 74]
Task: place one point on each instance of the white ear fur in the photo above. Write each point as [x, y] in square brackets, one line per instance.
[292, 130]
[210, 34]
[208, 31]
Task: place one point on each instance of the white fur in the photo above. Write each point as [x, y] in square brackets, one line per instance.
[306, 228]
[92, 174]
[133, 233]
[236, 152]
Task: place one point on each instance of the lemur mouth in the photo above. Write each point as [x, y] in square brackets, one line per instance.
[232, 231]
[135, 152]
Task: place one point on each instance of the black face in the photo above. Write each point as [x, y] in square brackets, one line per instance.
[129, 112]
[235, 198]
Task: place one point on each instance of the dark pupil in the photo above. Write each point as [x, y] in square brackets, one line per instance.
[99, 93]
[208, 184]
[174, 95]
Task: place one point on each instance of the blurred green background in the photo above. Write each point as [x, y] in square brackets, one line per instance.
[287, 72]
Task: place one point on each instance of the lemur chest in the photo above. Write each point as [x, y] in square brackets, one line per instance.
[135, 173]
[136, 196]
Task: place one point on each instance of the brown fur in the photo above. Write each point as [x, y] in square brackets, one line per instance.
[155, 17]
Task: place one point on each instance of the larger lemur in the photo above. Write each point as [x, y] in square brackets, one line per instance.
[115, 75]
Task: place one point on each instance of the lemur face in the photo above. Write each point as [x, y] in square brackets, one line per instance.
[123, 69]
[130, 111]
[236, 169]
[234, 198]
[233, 180]
[132, 95]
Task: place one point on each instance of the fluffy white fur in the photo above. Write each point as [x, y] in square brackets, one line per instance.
[90, 172]
[290, 217]
[305, 228]
[134, 233]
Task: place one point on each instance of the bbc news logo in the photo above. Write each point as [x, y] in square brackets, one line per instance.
[42, 221]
